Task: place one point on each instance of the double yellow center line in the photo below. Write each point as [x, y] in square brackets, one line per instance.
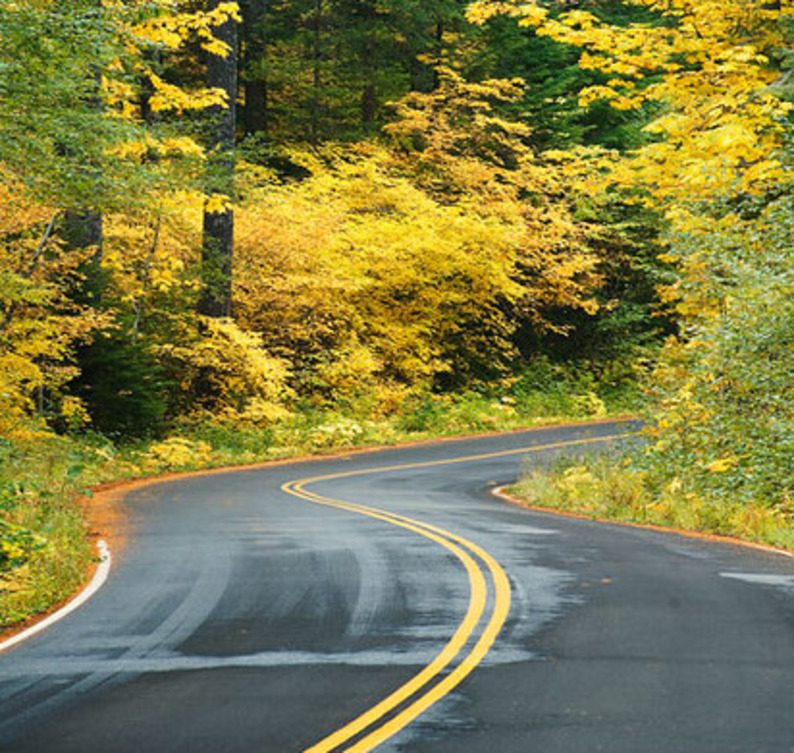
[379, 720]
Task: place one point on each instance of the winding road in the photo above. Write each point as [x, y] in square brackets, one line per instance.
[387, 600]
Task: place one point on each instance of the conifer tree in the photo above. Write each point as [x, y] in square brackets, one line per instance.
[217, 249]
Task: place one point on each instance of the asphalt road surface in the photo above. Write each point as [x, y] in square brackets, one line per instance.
[391, 602]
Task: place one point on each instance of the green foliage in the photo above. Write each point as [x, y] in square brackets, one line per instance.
[57, 555]
[51, 128]
[720, 438]
[553, 80]
[124, 388]
[17, 545]
[630, 324]
[589, 486]
[718, 169]
[725, 393]
[68, 69]
[44, 551]
[331, 68]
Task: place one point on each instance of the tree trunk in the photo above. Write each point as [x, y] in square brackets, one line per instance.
[84, 229]
[255, 106]
[254, 52]
[439, 36]
[369, 93]
[369, 105]
[315, 104]
[216, 255]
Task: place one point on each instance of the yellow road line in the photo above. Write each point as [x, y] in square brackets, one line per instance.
[501, 609]
[465, 459]
[478, 593]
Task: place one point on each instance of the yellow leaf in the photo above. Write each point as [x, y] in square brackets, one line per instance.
[217, 203]
[721, 465]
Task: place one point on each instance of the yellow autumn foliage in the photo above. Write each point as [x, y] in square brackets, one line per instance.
[230, 373]
[176, 453]
[170, 26]
[360, 276]
[38, 324]
[707, 64]
[451, 142]
[151, 253]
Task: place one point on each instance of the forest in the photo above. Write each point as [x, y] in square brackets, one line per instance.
[233, 232]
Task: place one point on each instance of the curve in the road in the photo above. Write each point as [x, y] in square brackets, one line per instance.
[378, 719]
[239, 618]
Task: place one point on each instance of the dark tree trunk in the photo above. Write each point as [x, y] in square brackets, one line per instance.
[216, 256]
[83, 229]
[419, 74]
[255, 106]
[147, 90]
[315, 105]
[254, 52]
[369, 93]
[369, 105]
[439, 35]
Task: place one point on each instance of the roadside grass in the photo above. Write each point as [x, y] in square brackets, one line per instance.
[45, 548]
[618, 488]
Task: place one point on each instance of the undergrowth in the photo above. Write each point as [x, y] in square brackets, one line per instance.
[628, 490]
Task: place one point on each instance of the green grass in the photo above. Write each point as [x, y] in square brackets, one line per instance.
[38, 483]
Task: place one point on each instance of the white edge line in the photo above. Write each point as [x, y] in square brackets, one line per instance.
[100, 576]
